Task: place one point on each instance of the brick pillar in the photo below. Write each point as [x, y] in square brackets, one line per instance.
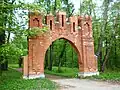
[73, 24]
[89, 63]
[61, 18]
[49, 20]
[36, 58]
[34, 68]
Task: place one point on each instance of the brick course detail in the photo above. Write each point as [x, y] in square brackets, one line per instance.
[76, 29]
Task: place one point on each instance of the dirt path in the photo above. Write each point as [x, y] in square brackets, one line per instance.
[85, 84]
[81, 84]
[54, 77]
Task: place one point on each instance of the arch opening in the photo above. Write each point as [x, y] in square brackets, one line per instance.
[64, 58]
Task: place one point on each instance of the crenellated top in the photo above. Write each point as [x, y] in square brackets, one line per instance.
[74, 24]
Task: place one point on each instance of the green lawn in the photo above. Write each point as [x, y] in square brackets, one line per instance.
[113, 75]
[12, 80]
[14, 66]
[65, 72]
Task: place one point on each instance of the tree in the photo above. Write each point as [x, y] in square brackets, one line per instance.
[105, 26]
[9, 24]
[5, 22]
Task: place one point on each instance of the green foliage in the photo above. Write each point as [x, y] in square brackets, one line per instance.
[13, 66]
[12, 80]
[14, 21]
[65, 72]
[9, 52]
[35, 31]
[87, 7]
[69, 58]
[109, 75]
[68, 7]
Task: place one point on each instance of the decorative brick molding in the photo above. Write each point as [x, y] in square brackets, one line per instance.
[77, 30]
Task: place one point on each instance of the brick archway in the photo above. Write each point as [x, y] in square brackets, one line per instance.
[77, 30]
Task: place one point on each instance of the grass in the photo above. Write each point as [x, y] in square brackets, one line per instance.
[65, 72]
[113, 75]
[14, 66]
[109, 75]
[12, 80]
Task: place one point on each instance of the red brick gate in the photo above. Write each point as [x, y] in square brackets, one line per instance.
[77, 30]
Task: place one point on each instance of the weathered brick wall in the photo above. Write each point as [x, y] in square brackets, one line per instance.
[77, 30]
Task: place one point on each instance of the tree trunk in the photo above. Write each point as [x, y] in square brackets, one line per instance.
[46, 59]
[80, 8]
[61, 55]
[72, 58]
[101, 62]
[103, 28]
[55, 7]
[3, 66]
[65, 58]
[51, 58]
[105, 60]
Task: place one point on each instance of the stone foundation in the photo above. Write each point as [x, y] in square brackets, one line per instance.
[85, 74]
[34, 76]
